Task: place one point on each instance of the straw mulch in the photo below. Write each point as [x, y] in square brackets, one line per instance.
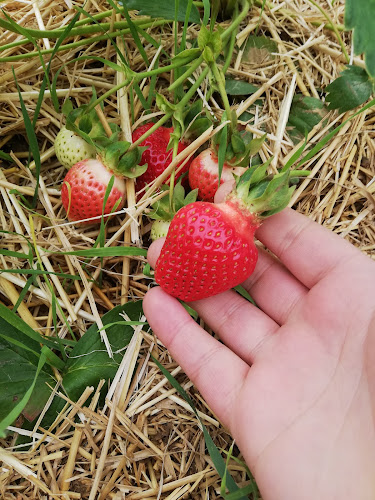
[147, 442]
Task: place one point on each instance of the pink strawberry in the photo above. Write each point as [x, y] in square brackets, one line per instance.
[156, 155]
[84, 188]
[204, 175]
[210, 247]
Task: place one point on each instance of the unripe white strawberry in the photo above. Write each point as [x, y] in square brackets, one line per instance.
[70, 148]
[159, 229]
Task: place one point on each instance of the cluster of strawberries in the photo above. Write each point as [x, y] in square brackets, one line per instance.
[209, 247]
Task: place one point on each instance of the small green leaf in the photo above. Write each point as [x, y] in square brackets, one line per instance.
[208, 55]
[199, 126]
[359, 16]
[305, 113]
[256, 144]
[216, 43]
[188, 54]
[239, 87]
[351, 89]
[203, 37]
[22, 374]
[259, 49]
[163, 9]
[238, 143]
[89, 362]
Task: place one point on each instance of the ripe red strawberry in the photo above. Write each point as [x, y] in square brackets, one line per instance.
[84, 189]
[204, 175]
[210, 247]
[156, 155]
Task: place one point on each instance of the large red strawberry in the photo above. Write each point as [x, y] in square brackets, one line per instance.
[210, 247]
[204, 175]
[85, 185]
[156, 155]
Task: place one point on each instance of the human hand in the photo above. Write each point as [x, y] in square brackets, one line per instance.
[295, 379]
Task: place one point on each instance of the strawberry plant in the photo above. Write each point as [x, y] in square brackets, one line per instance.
[152, 106]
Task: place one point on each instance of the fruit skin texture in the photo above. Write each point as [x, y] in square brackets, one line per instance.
[156, 155]
[70, 148]
[204, 175]
[159, 229]
[209, 249]
[88, 181]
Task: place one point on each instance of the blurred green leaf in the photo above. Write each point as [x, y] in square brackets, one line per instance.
[239, 87]
[351, 89]
[163, 9]
[88, 362]
[360, 17]
[259, 49]
[305, 113]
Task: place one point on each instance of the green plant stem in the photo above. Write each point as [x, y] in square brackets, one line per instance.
[79, 43]
[189, 94]
[221, 85]
[76, 31]
[184, 101]
[228, 58]
[236, 22]
[173, 175]
[339, 39]
[136, 77]
[158, 124]
[228, 32]
[187, 73]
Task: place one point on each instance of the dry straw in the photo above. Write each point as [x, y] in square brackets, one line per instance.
[147, 443]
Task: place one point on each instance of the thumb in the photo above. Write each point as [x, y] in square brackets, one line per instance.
[224, 190]
[154, 251]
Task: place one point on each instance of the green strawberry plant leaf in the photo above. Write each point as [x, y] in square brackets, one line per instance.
[360, 17]
[305, 113]
[165, 10]
[351, 89]
[259, 49]
[23, 385]
[239, 87]
[88, 362]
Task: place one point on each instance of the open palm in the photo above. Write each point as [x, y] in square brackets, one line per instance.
[294, 379]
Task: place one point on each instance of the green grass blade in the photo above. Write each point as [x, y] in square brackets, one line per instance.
[23, 293]
[33, 142]
[134, 31]
[206, 12]
[106, 252]
[222, 148]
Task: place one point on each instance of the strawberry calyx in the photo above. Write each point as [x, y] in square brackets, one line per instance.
[263, 194]
[88, 125]
[165, 209]
[240, 144]
[118, 159]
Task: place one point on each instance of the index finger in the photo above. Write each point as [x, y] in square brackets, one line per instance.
[307, 249]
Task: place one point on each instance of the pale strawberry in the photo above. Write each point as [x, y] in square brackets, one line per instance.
[70, 148]
[204, 175]
[84, 188]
